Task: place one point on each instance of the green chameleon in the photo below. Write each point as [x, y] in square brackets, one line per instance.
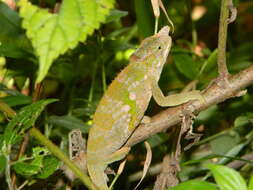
[123, 105]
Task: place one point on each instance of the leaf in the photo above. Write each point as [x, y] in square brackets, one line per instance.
[24, 120]
[39, 151]
[17, 100]
[242, 120]
[69, 122]
[251, 183]
[26, 169]
[42, 165]
[9, 91]
[186, 65]
[146, 164]
[233, 152]
[145, 18]
[227, 178]
[54, 34]
[209, 67]
[50, 164]
[3, 163]
[224, 143]
[194, 185]
[115, 15]
[13, 42]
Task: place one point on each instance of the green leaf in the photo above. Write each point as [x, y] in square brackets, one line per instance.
[16, 100]
[13, 42]
[69, 122]
[54, 34]
[41, 164]
[186, 65]
[224, 143]
[233, 152]
[3, 163]
[115, 15]
[194, 185]
[251, 183]
[25, 118]
[227, 178]
[50, 164]
[145, 18]
[242, 120]
[9, 91]
[39, 151]
[38, 154]
[26, 169]
[210, 63]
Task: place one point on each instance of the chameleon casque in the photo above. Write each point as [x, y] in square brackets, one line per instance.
[123, 105]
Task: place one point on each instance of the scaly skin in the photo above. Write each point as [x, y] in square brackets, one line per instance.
[123, 106]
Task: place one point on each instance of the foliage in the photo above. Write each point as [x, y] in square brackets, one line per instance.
[53, 34]
[226, 178]
[194, 185]
[71, 50]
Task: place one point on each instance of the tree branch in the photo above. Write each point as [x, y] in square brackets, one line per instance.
[213, 95]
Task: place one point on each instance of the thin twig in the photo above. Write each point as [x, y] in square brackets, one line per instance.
[238, 163]
[23, 184]
[8, 173]
[222, 40]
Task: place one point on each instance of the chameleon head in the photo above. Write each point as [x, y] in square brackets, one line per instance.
[153, 52]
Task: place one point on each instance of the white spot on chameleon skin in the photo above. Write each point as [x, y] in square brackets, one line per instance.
[145, 77]
[158, 65]
[132, 96]
[133, 85]
[125, 108]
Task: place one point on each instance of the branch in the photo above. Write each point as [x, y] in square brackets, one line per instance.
[222, 39]
[213, 95]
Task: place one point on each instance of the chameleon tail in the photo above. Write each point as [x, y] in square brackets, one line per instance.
[98, 176]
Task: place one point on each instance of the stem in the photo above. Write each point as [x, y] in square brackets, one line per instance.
[113, 182]
[8, 173]
[94, 73]
[222, 39]
[156, 24]
[103, 77]
[22, 185]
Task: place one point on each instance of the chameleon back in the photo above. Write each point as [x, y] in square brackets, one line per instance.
[119, 112]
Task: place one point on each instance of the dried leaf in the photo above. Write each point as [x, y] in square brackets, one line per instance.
[147, 163]
[155, 6]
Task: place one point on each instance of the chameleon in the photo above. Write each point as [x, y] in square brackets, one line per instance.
[124, 103]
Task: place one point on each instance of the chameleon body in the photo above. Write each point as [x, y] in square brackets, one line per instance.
[123, 105]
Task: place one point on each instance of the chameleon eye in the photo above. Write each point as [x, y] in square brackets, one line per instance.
[159, 47]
